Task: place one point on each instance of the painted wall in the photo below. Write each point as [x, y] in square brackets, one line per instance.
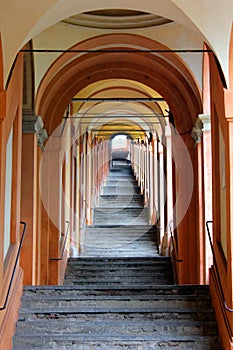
[8, 194]
[30, 19]
[64, 36]
[222, 174]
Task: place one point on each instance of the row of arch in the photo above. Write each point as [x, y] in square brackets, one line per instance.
[162, 72]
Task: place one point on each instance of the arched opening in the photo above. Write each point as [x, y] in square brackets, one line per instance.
[169, 148]
[120, 149]
[164, 73]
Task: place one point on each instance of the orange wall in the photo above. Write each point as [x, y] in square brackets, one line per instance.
[221, 106]
[10, 114]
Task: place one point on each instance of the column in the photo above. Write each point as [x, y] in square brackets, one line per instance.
[156, 179]
[187, 207]
[54, 205]
[161, 192]
[33, 135]
[196, 134]
[207, 173]
[89, 180]
[169, 178]
[151, 185]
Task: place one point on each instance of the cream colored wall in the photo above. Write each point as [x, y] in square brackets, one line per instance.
[222, 165]
[8, 193]
[214, 19]
[63, 36]
[23, 20]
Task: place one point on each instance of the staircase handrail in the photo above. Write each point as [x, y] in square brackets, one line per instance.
[174, 253]
[216, 268]
[15, 265]
[174, 244]
[64, 244]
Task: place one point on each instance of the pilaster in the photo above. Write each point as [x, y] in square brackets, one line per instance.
[207, 182]
[33, 136]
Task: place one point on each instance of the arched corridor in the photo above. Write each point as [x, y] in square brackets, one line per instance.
[116, 143]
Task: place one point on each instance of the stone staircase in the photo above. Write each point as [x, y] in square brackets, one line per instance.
[119, 295]
[120, 223]
[121, 201]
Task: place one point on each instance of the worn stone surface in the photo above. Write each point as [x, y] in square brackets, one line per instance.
[119, 295]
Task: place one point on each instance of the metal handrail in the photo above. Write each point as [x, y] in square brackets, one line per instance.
[174, 244]
[64, 244]
[216, 267]
[15, 265]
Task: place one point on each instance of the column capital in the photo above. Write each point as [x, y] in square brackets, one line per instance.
[33, 124]
[196, 132]
[205, 118]
[29, 122]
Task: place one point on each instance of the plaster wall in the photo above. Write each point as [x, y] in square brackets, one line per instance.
[64, 36]
[8, 193]
[222, 165]
[214, 20]
[21, 21]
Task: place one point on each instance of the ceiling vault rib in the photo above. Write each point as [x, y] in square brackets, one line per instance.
[118, 99]
[101, 116]
[116, 51]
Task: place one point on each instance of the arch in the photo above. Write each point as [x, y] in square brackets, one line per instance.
[163, 72]
[134, 90]
[121, 133]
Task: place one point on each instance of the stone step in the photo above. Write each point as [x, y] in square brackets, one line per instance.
[137, 220]
[121, 181]
[76, 342]
[159, 279]
[118, 271]
[118, 202]
[177, 290]
[123, 184]
[123, 196]
[126, 303]
[119, 329]
[177, 315]
[107, 296]
[108, 262]
[125, 217]
[89, 271]
[122, 230]
[113, 307]
[139, 237]
[120, 191]
[120, 173]
[115, 275]
[122, 294]
[141, 248]
[122, 246]
[117, 251]
[130, 211]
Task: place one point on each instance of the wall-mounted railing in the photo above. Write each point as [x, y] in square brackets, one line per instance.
[15, 266]
[63, 245]
[216, 268]
[174, 252]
